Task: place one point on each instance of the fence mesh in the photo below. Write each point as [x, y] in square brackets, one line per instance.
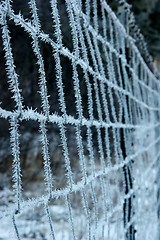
[109, 187]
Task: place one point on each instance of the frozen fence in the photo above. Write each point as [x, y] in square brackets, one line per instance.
[113, 191]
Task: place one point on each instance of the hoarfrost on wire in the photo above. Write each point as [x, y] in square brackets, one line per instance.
[115, 192]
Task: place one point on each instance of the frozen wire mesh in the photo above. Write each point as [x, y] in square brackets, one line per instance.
[112, 191]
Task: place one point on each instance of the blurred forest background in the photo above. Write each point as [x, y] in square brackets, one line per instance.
[147, 14]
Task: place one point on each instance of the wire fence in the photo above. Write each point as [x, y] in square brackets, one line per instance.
[113, 193]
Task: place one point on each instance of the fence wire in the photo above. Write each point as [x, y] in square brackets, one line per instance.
[112, 194]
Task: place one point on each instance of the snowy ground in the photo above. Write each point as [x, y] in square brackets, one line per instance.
[34, 224]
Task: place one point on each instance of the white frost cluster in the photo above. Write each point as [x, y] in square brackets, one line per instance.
[125, 94]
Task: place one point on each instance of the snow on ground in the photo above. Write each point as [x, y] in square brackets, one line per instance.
[33, 223]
